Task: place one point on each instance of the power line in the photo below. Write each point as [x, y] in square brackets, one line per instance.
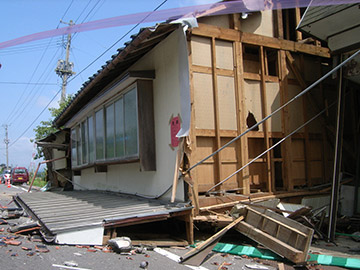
[29, 83]
[85, 69]
[122, 37]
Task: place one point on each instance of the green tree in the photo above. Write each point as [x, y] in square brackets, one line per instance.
[42, 131]
[46, 127]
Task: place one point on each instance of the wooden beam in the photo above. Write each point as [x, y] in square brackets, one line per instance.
[265, 124]
[279, 22]
[206, 30]
[243, 153]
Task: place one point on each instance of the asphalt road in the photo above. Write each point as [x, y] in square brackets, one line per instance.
[26, 257]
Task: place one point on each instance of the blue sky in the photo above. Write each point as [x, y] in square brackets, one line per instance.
[27, 78]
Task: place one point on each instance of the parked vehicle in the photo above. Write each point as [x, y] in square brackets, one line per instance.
[19, 175]
[5, 176]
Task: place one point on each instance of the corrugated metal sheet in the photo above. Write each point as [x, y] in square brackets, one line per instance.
[60, 212]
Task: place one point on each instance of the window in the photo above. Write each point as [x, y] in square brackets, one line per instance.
[112, 132]
[119, 128]
[131, 125]
[99, 134]
[84, 146]
[91, 138]
[73, 147]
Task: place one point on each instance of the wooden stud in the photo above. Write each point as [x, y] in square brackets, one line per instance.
[297, 21]
[243, 153]
[218, 168]
[279, 22]
[286, 148]
[235, 22]
[192, 157]
[265, 124]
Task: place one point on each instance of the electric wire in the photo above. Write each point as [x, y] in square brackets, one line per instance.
[57, 93]
[36, 68]
[28, 83]
[116, 42]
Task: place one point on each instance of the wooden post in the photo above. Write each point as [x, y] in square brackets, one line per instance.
[264, 114]
[286, 149]
[297, 21]
[217, 165]
[279, 22]
[243, 153]
[192, 157]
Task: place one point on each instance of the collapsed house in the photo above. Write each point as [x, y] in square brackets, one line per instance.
[146, 125]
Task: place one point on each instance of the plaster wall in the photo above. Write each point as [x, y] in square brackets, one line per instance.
[128, 177]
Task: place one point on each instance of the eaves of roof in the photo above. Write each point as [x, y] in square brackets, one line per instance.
[140, 44]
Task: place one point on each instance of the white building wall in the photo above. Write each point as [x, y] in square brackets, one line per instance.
[128, 177]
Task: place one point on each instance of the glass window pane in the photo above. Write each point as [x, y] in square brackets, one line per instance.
[84, 141]
[119, 128]
[131, 125]
[78, 145]
[91, 139]
[99, 134]
[73, 147]
[110, 132]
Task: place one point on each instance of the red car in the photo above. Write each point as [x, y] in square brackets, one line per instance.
[19, 175]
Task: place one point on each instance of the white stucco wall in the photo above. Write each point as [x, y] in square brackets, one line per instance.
[127, 177]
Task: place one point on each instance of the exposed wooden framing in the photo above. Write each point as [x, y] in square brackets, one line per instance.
[243, 153]
[286, 148]
[211, 133]
[265, 124]
[254, 39]
[287, 24]
[279, 27]
[291, 61]
[194, 192]
[257, 77]
[218, 168]
[297, 21]
[235, 21]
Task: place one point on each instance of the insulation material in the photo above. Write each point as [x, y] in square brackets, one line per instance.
[204, 101]
[273, 103]
[253, 99]
[224, 54]
[201, 51]
[227, 105]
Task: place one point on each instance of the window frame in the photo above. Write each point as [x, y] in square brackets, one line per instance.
[143, 98]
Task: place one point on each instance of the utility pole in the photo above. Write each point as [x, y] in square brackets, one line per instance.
[7, 141]
[64, 68]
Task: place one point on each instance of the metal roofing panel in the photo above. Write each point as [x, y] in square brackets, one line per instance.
[73, 210]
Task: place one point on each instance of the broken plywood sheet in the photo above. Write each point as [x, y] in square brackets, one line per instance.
[284, 236]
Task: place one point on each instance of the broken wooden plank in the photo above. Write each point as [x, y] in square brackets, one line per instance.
[286, 237]
[198, 254]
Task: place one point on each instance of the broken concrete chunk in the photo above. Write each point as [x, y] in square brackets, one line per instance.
[41, 248]
[120, 244]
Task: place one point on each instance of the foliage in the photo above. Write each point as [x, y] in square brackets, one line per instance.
[46, 127]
